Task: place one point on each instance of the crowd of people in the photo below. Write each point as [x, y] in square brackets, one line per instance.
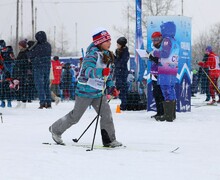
[33, 75]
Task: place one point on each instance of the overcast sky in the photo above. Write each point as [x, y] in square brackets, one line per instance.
[90, 14]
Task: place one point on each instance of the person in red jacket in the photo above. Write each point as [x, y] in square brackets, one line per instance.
[57, 71]
[214, 71]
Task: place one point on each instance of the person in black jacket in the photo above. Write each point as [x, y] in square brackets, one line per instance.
[20, 73]
[40, 55]
[121, 70]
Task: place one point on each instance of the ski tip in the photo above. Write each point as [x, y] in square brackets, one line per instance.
[173, 151]
[47, 143]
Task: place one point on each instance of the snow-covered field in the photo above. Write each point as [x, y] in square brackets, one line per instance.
[148, 154]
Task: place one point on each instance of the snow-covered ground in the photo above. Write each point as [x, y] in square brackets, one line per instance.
[148, 154]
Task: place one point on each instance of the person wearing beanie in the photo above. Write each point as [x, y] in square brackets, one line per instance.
[122, 41]
[23, 44]
[202, 78]
[156, 38]
[94, 79]
[121, 70]
[212, 70]
[56, 70]
[20, 73]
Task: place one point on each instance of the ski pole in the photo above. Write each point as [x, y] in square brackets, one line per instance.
[216, 88]
[99, 110]
[77, 139]
[96, 125]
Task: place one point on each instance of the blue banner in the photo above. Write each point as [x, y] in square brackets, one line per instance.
[183, 38]
[140, 64]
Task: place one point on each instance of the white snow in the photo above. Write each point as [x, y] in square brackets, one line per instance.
[148, 154]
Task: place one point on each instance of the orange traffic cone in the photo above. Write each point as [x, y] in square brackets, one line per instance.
[118, 110]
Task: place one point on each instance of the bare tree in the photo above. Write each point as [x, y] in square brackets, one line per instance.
[149, 8]
[62, 45]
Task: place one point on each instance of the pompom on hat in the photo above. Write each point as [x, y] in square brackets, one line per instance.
[100, 35]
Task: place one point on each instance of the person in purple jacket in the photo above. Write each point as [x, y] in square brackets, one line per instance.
[156, 38]
[168, 55]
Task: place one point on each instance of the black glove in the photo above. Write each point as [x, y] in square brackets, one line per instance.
[154, 59]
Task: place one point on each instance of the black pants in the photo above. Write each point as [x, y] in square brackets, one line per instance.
[158, 96]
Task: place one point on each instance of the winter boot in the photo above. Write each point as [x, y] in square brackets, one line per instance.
[160, 110]
[207, 98]
[9, 104]
[168, 112]
[113, 144]
[107, 142]
[57, 138]
[3, 104]
[48, 106]
[42, 106]
[57, 100]
[174, 110]
[212, 103]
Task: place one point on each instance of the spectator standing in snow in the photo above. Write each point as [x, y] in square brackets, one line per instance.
[54, 97]
[204, 79]
[167, 69]
[121, 70]
[30, 84]
[95, 67]
[40, 55]
[194, 85]
[20, 73]
[57, 71]
[156, 38]
[66, 81]
[212, 64]
[6, 68]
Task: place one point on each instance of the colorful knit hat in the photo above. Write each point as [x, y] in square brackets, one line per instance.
[100, 36]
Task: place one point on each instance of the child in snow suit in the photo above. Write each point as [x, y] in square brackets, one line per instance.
[96, 67]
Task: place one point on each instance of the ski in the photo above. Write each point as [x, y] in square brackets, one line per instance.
[101, 147]
[86, 146]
